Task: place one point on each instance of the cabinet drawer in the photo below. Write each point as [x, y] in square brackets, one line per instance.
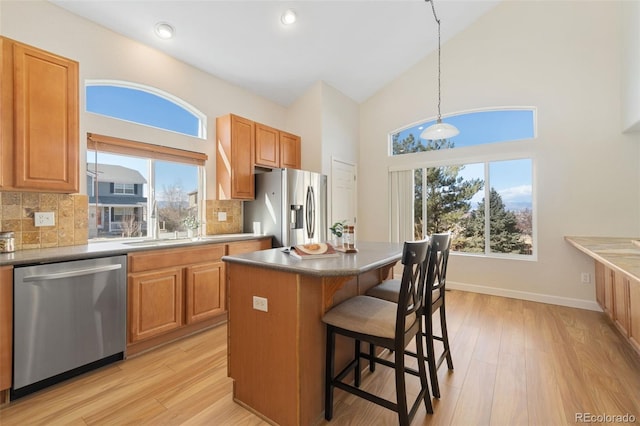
[249, 246]
[157, 259]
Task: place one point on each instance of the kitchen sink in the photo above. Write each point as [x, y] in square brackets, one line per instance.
[162, 242]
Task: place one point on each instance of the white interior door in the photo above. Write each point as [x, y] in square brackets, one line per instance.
[343, 192]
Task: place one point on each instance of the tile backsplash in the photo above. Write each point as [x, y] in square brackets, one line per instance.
[233, 222]
[70, 213]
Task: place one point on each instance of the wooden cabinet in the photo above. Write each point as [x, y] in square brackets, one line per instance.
[205, 291]
[634, 314]
[239, 247]
[173, 292]
[6, 328]
[235, 156]
[39, 119]
[275, 148]
[290, 151]
[618, 294]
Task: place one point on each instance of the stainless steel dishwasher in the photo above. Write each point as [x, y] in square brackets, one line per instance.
[69, 317]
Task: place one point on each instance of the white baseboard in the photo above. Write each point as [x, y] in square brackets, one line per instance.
[525, 295]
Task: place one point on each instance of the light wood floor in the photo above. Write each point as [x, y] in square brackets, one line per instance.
[516, 363]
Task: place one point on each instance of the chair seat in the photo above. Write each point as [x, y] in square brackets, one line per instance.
[366, 315]
[389, 290]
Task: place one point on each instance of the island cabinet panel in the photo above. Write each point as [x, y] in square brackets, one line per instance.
[205, 291]
[235, 157]
[156, 304]
[40, 125]
[634, 314]
[609, 280]
[599, 275]
[6, 329]
[290, 151]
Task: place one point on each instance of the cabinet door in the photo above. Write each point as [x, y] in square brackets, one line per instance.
[634, 314]
[242, 158]
[205, 291]
[155, 303]
[267, 146]
[621, 302]
[6, 326]
[240, 247]
[46, 120]
[290, 151]
[6, 112]
[609, 278]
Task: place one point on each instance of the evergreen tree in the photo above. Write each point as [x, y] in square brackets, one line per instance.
[448, 195]
[505, 236]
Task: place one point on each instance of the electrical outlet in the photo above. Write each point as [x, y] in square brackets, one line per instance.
[585, 278]
[44, 219]
[260, 304]
[222, 216]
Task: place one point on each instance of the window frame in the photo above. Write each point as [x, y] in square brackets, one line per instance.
[199, 115]
[487, 153]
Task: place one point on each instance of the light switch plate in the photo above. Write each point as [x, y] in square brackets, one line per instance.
[222, 216]
[44, 219]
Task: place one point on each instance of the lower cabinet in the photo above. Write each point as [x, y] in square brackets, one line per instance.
[174, 292]
[618, 295]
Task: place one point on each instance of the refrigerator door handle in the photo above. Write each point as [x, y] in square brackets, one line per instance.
[311, 212]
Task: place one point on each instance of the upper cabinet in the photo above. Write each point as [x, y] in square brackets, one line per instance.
[39, 119]
[235, 154]
[242, 144]
[275, 148]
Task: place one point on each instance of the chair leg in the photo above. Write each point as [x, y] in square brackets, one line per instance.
[401, 389]
[422, 371]
[328, 374]
[431, 356]
[372, 362]
[356, 373]
[445, 336]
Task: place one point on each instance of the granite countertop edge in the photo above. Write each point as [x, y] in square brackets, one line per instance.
[619, 253]
[106, 248]
[370, 256]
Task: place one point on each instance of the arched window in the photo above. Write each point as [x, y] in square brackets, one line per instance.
[144, 105]
[483, 194]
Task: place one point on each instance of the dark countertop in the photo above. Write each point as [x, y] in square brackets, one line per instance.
[371, 255]
[109, 248]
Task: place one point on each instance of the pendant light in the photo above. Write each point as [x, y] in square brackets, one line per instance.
[439, 130]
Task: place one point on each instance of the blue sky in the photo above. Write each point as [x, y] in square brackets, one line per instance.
[512, 179]
[142, 107]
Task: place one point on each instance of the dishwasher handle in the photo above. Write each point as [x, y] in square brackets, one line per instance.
[73, 273]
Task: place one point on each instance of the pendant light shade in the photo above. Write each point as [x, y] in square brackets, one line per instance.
[439, 130]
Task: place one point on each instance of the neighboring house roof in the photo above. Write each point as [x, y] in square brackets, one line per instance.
[115, 174]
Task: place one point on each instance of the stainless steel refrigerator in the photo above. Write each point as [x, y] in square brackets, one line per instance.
[291, 205]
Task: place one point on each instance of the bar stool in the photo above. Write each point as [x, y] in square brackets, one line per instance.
[436, 280]
[386, 324]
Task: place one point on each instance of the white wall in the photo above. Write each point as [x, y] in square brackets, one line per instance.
[631, 66]
[103, 54]
[564, 59]
[304, 118]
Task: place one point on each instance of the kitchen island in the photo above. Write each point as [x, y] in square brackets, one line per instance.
[276, 336]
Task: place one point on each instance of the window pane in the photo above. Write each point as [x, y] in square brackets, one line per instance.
[176, 190]
[511, 207]
[142, 107]
[118, 203]
[476, 128]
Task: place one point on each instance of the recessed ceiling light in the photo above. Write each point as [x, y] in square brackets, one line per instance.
[288, 17]
[164, 30]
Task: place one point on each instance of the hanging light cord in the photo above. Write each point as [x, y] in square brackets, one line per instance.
[433, 9]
